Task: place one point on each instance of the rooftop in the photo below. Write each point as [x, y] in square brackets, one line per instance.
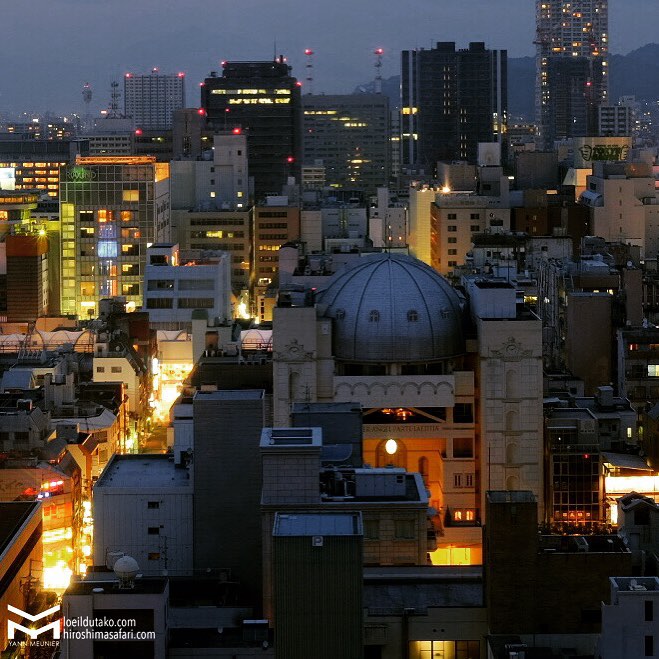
[291, 437]
[635, 584]
[143, 471]
[321, 524]
[512, 496]
[229, 394]
[110, 586]
[13, 514]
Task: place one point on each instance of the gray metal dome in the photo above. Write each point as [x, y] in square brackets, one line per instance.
[392, 308]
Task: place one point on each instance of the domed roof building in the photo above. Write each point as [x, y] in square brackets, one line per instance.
[392, 308]
[388, 335]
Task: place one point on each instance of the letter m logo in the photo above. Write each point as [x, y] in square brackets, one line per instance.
[33, 633]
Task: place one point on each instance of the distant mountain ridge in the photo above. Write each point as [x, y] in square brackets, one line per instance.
[634, 74]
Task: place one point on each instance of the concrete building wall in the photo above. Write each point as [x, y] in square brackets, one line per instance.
[588, 338]
[149, 609]
[630, 623]
[154, 527]
[228, 231]
[420, 235]
[227, 467]
[455, 219]
[511, 426]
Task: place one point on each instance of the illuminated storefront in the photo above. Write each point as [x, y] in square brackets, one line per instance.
[445, 650]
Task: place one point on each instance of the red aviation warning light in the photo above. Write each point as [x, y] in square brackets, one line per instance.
[290, 160]
[237, 131]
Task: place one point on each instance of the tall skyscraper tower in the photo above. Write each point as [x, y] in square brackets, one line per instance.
[263, 99]
[451, 100]
[571, 66]
[152, 99]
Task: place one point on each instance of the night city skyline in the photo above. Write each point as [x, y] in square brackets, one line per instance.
[329, 329]
[52, 50]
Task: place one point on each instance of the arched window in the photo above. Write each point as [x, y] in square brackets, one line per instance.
[412, 315]
[340, 314]
[391, 452]
[374, 316]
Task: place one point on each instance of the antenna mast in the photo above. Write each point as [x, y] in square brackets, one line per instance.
[378, 52]
[309, 66]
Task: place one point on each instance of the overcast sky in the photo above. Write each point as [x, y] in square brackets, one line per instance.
[49, 48]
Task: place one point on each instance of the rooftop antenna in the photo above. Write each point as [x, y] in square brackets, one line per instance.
[274, 51]
[378, 52]
[87, 99]
[115, 95]
[309, 66]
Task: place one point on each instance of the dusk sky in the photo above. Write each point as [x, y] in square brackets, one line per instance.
[49, 49]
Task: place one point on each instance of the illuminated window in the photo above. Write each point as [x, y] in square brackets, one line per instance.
[104, 215]
[107, 248]
[653, 370]
[131, 195]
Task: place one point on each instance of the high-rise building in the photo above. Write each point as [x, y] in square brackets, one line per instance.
[571, 66]
[263, 99]
[451, 100]
[350, 134]
[152, 99]
[110, 208]
[30, 164]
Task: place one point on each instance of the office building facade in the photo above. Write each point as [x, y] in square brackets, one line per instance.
[350, 135]
[110, 209]
[263, 99]
[451, 100]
